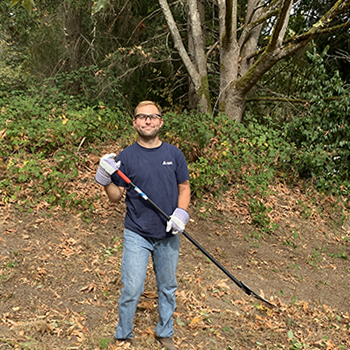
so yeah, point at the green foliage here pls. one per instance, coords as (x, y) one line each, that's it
(259, 214)
(42, 129)
(36, 130)
(245, 157)
(12, 79)
(294, 343)
(84, 87)
(27, 4)
(104, 343)
(42, 147)
(317, 131)
(99, 5)
(320, 133)
(224, 154)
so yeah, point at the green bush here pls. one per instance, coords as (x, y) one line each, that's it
(43, 127)
(41, 132)
(223, 152)
(85, 87)
(35, 129)
(39, 148)
(321, 132)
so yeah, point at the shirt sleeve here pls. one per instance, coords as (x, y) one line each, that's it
(182, 173)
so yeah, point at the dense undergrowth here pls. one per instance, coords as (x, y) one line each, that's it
(48, 135)
(44, 152)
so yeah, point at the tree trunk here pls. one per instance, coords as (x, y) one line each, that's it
(198, 70)
(193, 100)
(242, 62)
(234, 104)
(229, 49)
(72, 29)
(198, 36)
(250, 38)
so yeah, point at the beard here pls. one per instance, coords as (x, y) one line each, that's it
(148, 134)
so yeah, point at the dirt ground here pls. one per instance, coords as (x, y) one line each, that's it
(60, 280)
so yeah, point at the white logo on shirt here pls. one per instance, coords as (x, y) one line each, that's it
(167, 163)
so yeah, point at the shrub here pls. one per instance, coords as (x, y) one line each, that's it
(222, 152)
(39, 148)
(321, 132)
(87, 86)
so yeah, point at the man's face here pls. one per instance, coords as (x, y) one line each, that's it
(147, 128)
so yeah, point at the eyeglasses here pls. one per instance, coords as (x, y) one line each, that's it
(151, 117)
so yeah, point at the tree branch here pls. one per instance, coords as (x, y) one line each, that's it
(281, 25)
(290, 100)
(179, 44)
(138, 25)
(248, 28)
(339, 7)
(198, 41)
(291, 46)
(296, 42)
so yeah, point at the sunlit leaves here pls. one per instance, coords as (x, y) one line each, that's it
(99, 5)
(27, 4)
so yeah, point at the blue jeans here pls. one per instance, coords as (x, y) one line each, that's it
(136, 252)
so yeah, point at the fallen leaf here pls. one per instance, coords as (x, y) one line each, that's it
(150, 295)
(195, 321)
(89, 288)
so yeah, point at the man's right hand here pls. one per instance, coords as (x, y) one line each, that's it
(108, 166)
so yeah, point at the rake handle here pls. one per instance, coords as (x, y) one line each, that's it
(240, 284)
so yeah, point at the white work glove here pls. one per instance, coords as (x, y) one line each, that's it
(177, 221)
(107, 167)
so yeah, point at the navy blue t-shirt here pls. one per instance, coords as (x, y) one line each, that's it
(157, 172)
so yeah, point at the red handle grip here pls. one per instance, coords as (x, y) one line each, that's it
(123, 176)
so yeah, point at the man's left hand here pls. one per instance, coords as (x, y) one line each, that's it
(177, 221)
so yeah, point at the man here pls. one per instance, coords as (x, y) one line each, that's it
(160, 170)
